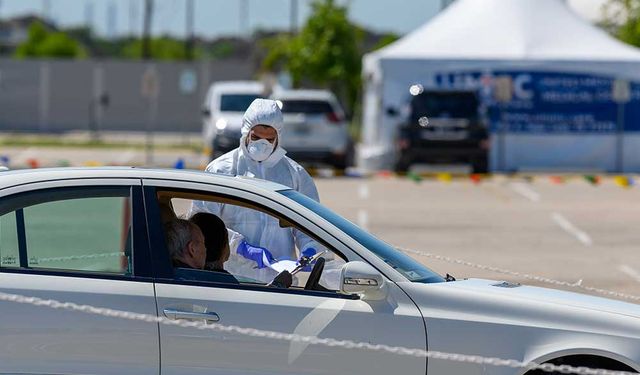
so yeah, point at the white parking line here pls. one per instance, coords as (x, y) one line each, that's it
(363, 219)
(363, 191)
(630, 272)
(571, 229)
(525, 191)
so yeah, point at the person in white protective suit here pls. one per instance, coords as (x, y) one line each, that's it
(255, 235)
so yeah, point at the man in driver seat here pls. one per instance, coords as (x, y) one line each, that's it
(187, 248)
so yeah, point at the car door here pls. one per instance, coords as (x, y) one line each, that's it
(327, 314)
(80, 241)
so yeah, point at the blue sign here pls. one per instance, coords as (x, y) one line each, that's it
(547, 102)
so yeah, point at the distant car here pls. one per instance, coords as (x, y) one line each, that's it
(442, 127)
(222, 112)
(95, 237)
(315, 128)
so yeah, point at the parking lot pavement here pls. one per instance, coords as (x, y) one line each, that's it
(572, 232)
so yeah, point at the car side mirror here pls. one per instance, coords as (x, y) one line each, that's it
(206, 112)
(391, 111)
(360, 278)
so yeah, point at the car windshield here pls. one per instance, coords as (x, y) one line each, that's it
(402, 263)
(441, 104)
(236, 102)
(306, 106)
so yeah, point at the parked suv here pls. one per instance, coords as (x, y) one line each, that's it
(222, 111)
(442, 127)
(315, 129)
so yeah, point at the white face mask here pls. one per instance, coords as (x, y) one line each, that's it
(260, 150)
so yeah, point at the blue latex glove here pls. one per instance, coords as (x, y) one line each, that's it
(258, 254)
(308, 252)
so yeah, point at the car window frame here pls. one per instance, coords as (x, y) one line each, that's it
(45, 193)
(163, 272)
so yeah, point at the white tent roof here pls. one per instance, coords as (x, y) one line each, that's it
(509, 30)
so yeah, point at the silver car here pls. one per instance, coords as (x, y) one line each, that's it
(95, 237)
(315, 128)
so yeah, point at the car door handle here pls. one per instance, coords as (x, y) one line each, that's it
(175, 314)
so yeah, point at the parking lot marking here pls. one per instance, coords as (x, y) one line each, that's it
(630, 272)
(363, 191)
(525, 191)
(571, 229)
(363, 219)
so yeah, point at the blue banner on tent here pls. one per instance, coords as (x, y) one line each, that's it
(548, 102)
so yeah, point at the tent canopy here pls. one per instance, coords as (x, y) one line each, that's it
(518, 37)
(509, 30)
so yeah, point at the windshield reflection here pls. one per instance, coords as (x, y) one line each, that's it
(402, 263)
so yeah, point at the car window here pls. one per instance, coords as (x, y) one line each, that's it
(306, 106)
(88, 234)
(236, 102)
(407, 266)
(454, 105)
(9, 255)
(261, 245)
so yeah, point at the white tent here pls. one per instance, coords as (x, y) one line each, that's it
(522, 38)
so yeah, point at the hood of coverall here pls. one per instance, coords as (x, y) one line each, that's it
(263, 112)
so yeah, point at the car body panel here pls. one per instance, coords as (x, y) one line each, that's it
(41, 340)
(395, 321)
(524, 323)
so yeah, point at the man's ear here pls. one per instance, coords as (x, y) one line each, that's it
(191, 248)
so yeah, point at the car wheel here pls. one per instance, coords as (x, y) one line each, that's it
(403, 164)
(480, 165)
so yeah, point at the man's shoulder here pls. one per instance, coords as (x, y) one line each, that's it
(223, 164)
(294, 164)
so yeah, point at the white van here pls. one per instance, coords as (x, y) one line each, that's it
(223, 108)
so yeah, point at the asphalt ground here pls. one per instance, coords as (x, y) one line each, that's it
(569, 230)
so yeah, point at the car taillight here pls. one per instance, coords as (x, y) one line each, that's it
(333, 117)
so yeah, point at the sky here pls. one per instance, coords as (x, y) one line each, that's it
(215, 18)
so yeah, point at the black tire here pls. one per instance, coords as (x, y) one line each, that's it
(403, 164)
(480, 165)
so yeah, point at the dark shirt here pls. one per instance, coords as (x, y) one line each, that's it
(183, 271)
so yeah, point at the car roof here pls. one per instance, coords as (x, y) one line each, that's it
(237, 87)
(28, 176)
(303, 94)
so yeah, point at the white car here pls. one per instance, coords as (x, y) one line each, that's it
(223, 108)
(95, 237)
(315, 129)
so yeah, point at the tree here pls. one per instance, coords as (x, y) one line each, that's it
(41, 43)
(161, 48)
(325, 52)
(622, 19)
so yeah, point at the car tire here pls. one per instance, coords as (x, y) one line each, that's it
(403, 164)
(480, 165)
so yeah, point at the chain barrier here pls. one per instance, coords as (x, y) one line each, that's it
(526, 276)
(292, 337)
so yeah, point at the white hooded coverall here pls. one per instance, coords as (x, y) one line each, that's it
(252, 226)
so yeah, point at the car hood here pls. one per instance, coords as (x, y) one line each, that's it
(497, 301)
